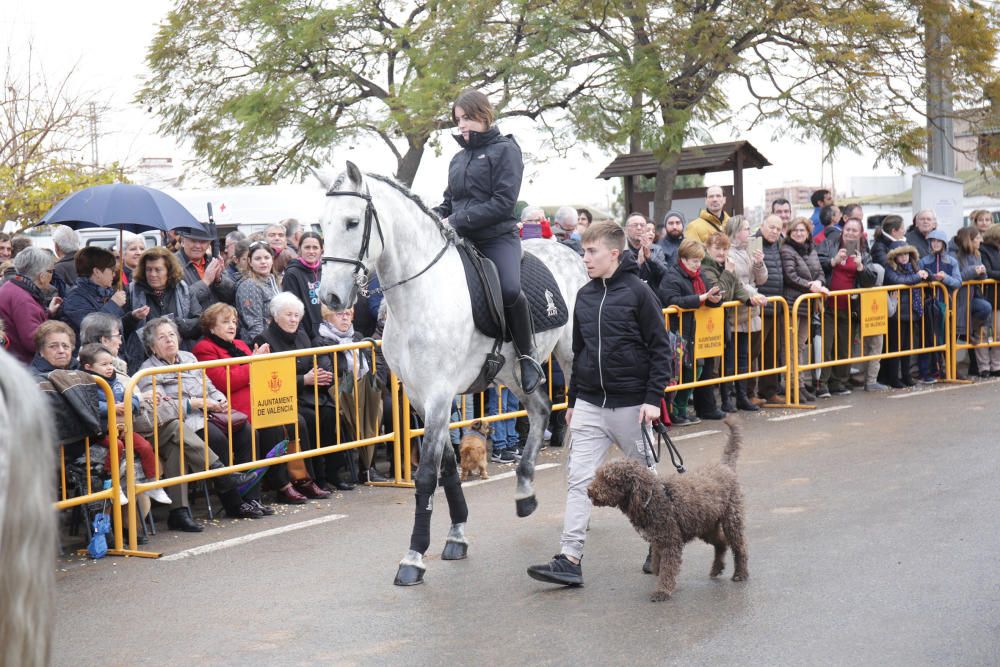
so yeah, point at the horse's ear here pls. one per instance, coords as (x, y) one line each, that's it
(354, 174)
(325, 179)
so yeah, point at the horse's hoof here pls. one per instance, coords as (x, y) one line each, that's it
(525, 506)
(409, 575)
(454, 551)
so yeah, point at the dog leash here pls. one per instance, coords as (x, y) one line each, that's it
(662, 436)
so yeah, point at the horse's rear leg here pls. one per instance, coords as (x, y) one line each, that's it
(411, 567)
(538, 407)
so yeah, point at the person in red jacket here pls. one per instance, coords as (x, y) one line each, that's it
(220, 323)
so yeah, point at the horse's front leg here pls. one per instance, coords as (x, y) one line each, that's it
(411, 567)
(538, 407)
(456, 546)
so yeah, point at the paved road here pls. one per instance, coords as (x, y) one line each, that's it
(873, 538)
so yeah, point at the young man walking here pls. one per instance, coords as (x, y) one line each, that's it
(620, 369)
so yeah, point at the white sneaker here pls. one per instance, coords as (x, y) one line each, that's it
(160, 496)
(122, 496)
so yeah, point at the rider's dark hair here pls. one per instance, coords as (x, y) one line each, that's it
(476, 106)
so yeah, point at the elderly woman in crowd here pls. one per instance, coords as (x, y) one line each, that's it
(132, 248)
(220, 342)
(973, 311)
(803, 275)
(943, 268)
(286, 333)
(255, 291)
(157, 283)
(104, 329)
(27, 300)
(302, 277)
(192, 396)
(338, 329)
(847, 265)
(95, 270)
(683, 286)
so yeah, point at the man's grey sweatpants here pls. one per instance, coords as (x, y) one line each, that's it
(594, 430)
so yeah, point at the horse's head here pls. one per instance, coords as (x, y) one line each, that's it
(352, 237)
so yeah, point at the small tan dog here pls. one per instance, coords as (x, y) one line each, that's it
(472, 449)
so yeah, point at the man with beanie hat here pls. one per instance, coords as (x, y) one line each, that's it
(673, 234)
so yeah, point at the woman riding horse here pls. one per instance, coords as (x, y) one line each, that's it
(484, 180)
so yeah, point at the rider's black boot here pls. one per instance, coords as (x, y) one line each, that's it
(519, 322)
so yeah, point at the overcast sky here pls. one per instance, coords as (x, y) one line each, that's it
(106, 41)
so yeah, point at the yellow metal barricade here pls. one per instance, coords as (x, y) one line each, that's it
(865, 311)
(716, 338)
(158, 400)
(988, 289)
(111, 495)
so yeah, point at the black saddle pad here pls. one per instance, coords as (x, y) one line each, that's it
(548, 308)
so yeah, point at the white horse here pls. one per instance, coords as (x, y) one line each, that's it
(27, 519)
(373, 225)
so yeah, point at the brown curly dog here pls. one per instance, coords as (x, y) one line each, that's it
(705, 503)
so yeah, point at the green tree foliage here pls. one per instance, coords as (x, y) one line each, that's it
(850, 73)
(265, 88)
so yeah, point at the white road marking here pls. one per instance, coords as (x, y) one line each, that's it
(237, 541)
(689, 436)
(925, 392)
(808, 413)
(503, 475)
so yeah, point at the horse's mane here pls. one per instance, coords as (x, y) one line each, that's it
(402, 189)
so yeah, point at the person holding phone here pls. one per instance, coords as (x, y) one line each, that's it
(683, 286)
(847, 265)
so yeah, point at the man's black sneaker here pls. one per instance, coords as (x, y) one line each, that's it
(559, 570)
(503, 456)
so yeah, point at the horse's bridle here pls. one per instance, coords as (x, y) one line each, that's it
(362, 275)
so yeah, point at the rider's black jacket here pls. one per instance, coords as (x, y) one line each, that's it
(621, 354)
(484, 181)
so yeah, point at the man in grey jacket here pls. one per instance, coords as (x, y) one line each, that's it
(205, 277)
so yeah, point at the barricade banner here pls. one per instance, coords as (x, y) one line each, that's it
(709, 330)
(273, 396)
(874, 313)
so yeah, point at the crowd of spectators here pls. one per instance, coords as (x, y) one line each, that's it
(115, 312)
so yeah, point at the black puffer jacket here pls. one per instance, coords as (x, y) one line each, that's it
(775, 285)
(484, 181)
(304, 282)
(621, 355)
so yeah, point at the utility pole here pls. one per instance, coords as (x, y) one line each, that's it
(92, 118)
(940, 108)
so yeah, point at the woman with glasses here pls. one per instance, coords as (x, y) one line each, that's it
(27, 300)
(255, 291)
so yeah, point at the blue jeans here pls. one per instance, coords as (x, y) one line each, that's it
(504, 433)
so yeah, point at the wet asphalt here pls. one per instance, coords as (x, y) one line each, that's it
(873, 536)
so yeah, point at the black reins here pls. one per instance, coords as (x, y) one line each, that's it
(362, 275)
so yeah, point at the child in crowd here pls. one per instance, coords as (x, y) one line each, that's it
(98, 360)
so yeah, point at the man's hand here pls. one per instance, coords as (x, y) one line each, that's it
(55, 305)
(569, 416)
(647, 413)
(119, 298)
(213, 271)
